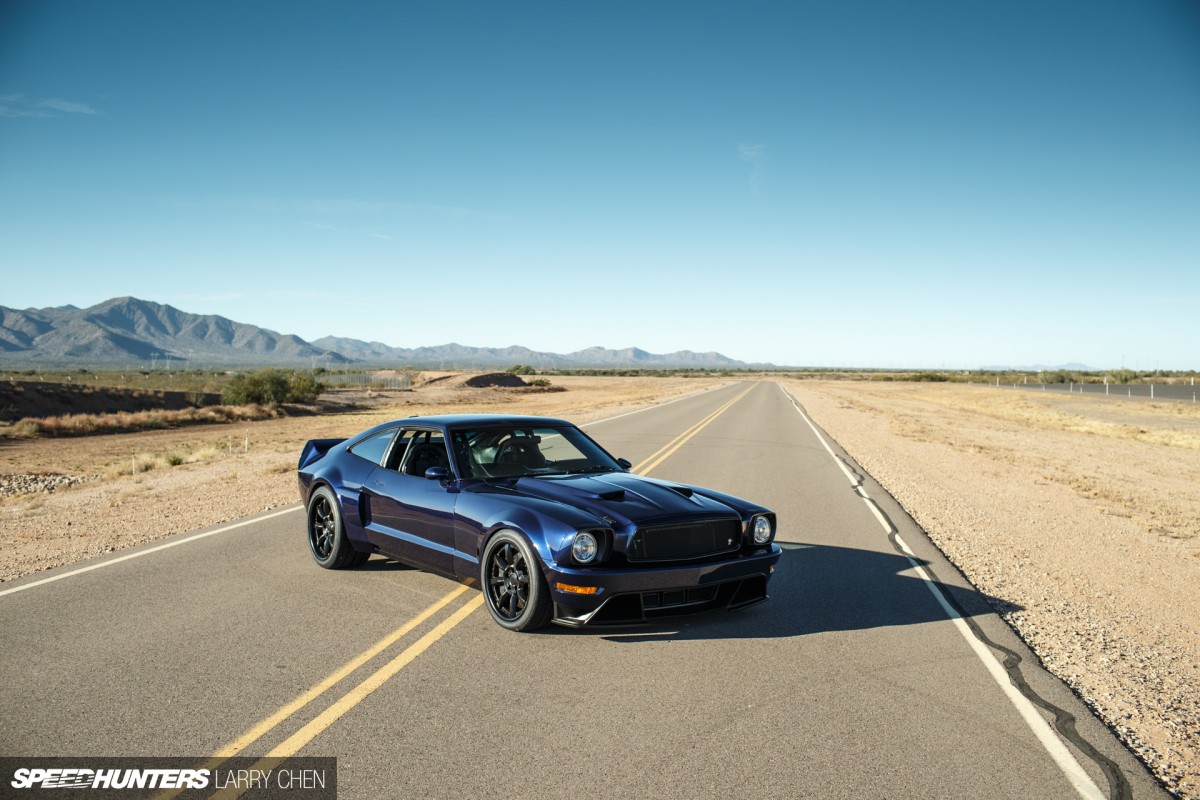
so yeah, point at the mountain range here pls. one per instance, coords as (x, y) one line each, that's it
(126, 330)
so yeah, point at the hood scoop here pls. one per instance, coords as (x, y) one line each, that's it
(683, 490)
(616, 495)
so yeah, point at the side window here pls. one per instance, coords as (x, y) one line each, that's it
(425, 449)
(395, 456)
(374, 447)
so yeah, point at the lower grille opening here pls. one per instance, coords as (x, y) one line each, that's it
(626, 609)
(679, 598)
(750, 591)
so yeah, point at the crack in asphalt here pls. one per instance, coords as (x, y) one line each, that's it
(1063, 721)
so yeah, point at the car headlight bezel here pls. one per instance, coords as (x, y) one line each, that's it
(581, 551)
(761, 529)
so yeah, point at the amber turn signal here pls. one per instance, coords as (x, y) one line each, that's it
(566, 587)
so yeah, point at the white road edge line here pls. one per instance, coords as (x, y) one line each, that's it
(148, 551)
(1058, 751)
(245, 522)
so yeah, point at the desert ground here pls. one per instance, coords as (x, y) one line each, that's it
(1080, 516)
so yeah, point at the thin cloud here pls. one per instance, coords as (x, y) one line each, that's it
(16, 104)
(754, 155)
(66, 106)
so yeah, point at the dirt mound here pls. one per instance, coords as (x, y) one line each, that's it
(504, 380)
(20, 399)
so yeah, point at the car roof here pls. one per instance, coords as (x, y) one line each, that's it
(481, 421)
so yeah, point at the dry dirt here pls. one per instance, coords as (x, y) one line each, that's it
(1083, 513)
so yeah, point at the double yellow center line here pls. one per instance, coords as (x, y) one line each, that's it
(362, 690)
(667, 450)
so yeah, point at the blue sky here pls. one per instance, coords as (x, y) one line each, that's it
(855, 183)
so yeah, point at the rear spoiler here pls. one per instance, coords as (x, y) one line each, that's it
(314, 449)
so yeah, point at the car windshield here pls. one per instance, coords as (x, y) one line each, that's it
(518, 451)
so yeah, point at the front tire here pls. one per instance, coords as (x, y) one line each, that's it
(327, 540)
(514, 590)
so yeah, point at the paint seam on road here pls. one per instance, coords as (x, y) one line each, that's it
(147, 551)
(1024, 705)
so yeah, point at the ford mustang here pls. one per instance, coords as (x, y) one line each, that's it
(538, 515)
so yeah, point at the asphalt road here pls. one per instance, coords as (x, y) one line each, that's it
(852, 681)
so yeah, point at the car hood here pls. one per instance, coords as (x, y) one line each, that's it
(622, 498)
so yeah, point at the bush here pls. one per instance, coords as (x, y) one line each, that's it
(304, 388)
(272, 386)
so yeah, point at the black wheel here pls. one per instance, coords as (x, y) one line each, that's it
(513, 587)
(327, 536)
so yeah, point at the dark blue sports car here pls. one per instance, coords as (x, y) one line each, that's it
(551, 526)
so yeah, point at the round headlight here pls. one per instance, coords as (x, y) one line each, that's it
(761, 530)
(585, 547)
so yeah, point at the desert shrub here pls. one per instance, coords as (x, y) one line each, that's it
(272, 386)
(932, 377)
(539, 382)
(264, 386)
(304, 388)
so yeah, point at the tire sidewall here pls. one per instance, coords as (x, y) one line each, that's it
(340, 531)
(535, 614)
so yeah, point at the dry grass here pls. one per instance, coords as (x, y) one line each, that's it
(1165, 424)
(126, 421)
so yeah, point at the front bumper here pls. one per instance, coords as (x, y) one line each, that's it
(625, 596)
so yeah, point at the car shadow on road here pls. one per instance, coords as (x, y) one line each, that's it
(817, 589)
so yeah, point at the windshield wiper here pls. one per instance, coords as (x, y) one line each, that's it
(592, 468)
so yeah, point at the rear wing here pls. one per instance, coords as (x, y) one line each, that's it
(314, 450)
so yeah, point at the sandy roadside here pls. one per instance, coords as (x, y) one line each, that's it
(1083, 514)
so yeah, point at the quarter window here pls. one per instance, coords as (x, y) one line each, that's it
(374, 447)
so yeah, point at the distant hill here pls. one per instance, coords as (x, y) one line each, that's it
(457, 355)
(127, 330)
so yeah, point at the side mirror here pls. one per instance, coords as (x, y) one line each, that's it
(437, 474)
(625, 463)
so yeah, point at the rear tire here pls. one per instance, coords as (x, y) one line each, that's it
(514, 589)
(327, 540)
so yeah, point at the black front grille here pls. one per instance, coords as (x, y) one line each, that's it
(685, 540)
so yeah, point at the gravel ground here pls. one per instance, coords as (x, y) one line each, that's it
(1093, 536)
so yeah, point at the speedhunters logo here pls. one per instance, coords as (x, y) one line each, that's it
(76, 778)
(184, 778)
